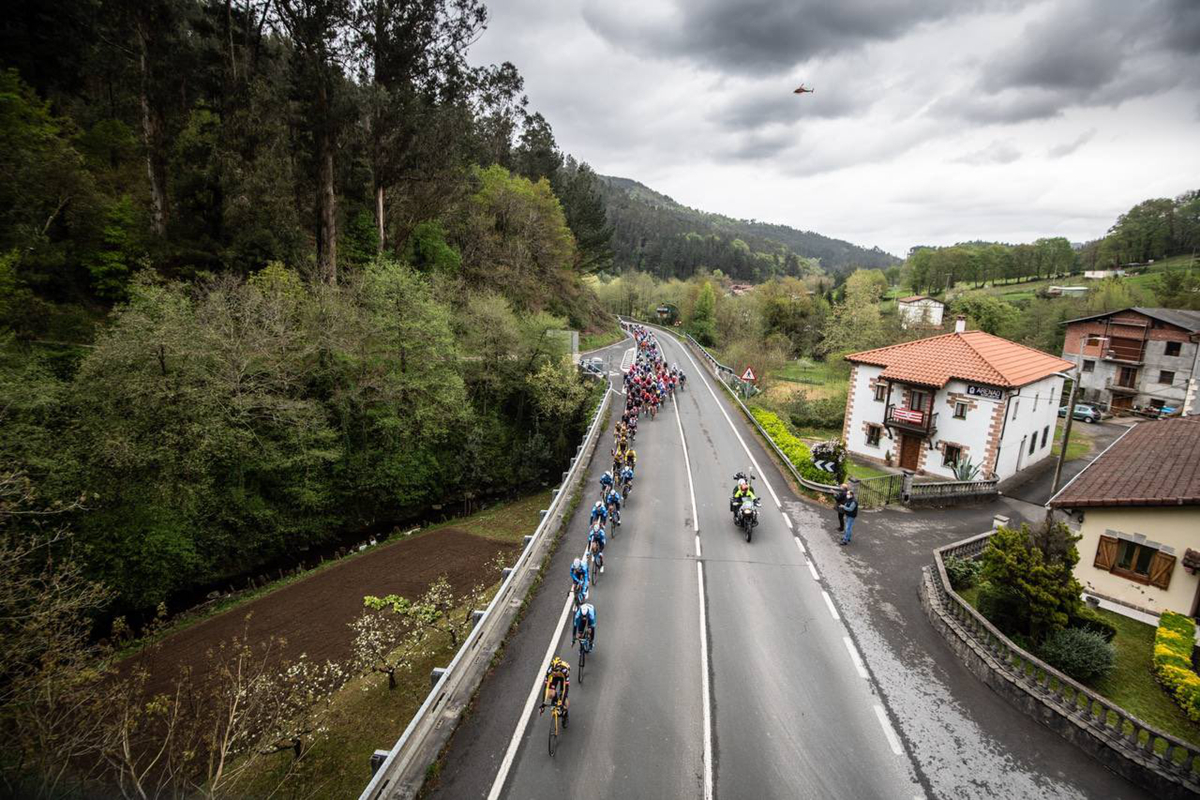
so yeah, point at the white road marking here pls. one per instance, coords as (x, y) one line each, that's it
(698, 553)
(788, 521)
(893, 739)
(627, 360)
(721, 408)
(687, 464)
(799, 545)
(704, 688)
(855, 657)
(813, 570)
(829, 602)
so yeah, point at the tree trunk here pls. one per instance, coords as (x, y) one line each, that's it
(379, 215)
(392, 679)
(156, 163)
(326, 194)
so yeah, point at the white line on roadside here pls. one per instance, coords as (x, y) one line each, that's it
(721, 408)
(511, 753)
(698, 553)
(855, 657)
(829, 602)
(787, 521)
(813, 570)
(687, 465)
(893, 739)
(704, 688)
(799, 545)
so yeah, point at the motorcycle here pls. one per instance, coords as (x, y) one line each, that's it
(746, 517)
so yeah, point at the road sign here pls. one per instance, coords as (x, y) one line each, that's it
(748, 375)
(828, 466)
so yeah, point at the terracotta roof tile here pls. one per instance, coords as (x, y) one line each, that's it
(1154, 464)
(970, 356)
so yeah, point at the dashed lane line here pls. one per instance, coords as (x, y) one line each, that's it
(800, 546)
(855, 657)
(829, 602)
(704, 687)
(893, 739)
(813, 570)
(787, 521)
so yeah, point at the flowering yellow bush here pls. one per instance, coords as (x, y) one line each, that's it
(1173, 661)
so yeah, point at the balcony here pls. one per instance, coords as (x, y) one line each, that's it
(1124, 355)
(910, 420)
(1121, 387)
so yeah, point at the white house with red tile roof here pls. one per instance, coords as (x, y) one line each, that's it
(920, 311)
(925, 405)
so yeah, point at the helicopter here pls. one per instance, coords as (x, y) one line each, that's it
(803, 90)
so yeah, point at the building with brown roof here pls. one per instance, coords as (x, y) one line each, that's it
(1137, 506)
(932, 404)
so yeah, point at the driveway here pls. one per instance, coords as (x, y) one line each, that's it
(1033, 485)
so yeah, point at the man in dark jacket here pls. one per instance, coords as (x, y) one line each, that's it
(850, 510)
(838, 499)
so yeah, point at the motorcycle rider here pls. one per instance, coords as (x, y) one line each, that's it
(743, 492)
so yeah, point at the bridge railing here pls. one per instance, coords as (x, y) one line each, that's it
(724, 373)
(403, 770)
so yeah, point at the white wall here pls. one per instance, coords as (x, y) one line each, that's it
(928, 312)
(1024, 421)
(865, 408)
(971, 432)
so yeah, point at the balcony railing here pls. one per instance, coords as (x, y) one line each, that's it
(910, 419)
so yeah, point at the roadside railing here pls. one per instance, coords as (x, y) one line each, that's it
(401, 773)
(936, 491)
(1146, 755)
(725, 375)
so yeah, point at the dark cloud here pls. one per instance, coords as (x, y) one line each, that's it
(762, 36)
(1065, 149)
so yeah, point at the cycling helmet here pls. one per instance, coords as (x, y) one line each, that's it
(577, 564)
(587, 609)
(598, 505)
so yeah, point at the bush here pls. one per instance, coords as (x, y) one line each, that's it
(1083, 655)
(1088, 620)
(1004, 609)
(963, 572)
(796, 451)
(1172, 661)
(824, 412)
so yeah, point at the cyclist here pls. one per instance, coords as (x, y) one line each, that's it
(598, 535)
(606, 482)
(599, 512)
(579, 578)
(613, 502)
(557, 687)
(618, 455)
(585, 626)
(631, 457)
(627, 476)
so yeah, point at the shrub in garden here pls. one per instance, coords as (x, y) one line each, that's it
(963, 572)
(1083, 655)
(1003, 608)
(1035, 566)
(1172, 661)
(796, 451)
(1088, 620)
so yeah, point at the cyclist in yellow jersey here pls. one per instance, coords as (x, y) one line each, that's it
(557, 687)
(631, 457)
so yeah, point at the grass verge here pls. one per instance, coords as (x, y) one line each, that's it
(594, 340)
(1080, 444)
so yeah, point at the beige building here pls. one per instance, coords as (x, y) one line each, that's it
(1137, 506)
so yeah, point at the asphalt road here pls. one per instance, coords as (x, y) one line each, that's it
(791, 713)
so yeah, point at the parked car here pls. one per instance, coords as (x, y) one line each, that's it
(594, 365)
(1083, 412)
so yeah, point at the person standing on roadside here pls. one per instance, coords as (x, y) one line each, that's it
(838, 500)
(850, 510)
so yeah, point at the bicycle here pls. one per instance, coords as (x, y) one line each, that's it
(579, 595)
(595, 561)
(585, 647)
(556, 713)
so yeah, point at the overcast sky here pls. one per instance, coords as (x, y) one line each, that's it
(933, 121)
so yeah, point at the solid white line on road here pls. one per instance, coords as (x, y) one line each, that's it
(704, 380)
(893, 739)
(799, 545)
(698, 553)
(787, 521)
(855, 657)
(829, 602)
(511, 753)
(704, 688)
(687, 465)
(813, 570)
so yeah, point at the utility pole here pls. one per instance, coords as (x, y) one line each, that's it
(1062, 454)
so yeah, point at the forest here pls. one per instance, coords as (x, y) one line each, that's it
(654, 234)
(273, 273)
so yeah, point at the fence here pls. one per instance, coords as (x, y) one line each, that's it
(949, 491)
(879, 491)
(401, 773)
(1167, 765)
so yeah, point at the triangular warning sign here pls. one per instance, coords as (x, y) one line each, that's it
(748, 375)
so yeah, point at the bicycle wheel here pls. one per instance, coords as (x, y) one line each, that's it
(582, 658)
(553, 731)
(593, 570)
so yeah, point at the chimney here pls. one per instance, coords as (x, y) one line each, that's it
(960, 323)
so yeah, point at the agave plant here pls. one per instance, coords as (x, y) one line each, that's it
(964, 470)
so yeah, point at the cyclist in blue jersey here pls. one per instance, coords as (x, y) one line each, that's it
(606, 482)
(599, 512)
(584, 626)
(579, 577)
(598, 537)
(613, 503)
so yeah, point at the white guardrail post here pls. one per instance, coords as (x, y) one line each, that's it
(402, 772)
(718, 368)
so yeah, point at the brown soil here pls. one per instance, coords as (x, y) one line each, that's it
(313, 614)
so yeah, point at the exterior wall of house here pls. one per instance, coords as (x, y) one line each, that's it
(862, 408)
(1171, 530)
(1032, 412)
(921, 312)
(1095, 385)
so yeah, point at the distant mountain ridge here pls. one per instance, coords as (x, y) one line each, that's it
(654, 233)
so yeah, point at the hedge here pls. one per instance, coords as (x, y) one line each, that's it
(1172, 663)
(796, 451)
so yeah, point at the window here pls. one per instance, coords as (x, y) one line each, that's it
(1035, 399)
(1032, 443)
(1045, 435)
(960, 410)
(1089, 366)
(1016, 404)
(951, 455)
(1172, 349)
(873, 434)
(916, 401)
(880, 391)
(1157, 403)
(1166, 376)
(1135, 561)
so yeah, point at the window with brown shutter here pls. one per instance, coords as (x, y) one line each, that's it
(1106, 553)
(1161, 567)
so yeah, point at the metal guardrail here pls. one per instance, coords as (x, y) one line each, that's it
(720, 369)
(1094, 714)
(403, 771)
